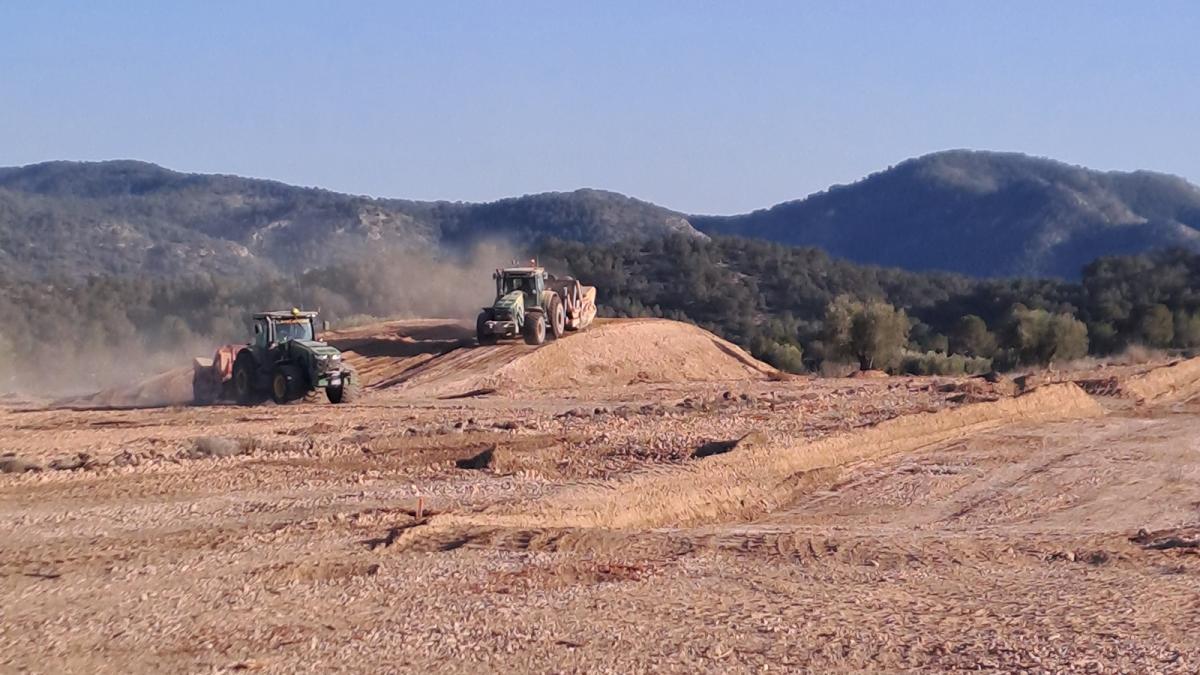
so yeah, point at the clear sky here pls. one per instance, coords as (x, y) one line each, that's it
(717, 107)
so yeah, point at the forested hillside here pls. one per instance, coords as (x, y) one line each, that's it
(798, 308)
(124, 218)
(780, 301)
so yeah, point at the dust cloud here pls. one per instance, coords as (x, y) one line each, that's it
(101, 355)
(453, 285)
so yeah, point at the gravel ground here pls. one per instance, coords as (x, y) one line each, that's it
(226, 538)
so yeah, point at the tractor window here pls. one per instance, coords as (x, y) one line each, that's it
(300, 329)
(523, 284)
(260, 333)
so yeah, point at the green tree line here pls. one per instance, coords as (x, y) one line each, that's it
(797, 307)
(794, 307)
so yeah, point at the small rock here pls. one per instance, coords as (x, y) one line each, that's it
(482, 460)
(14, 464)
(722, 447)
(215, 446)
(81, 460)
(125, 458)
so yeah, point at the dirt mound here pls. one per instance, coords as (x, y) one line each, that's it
(173, 387)
(611, 353)
(1178, 381)
(646, 350)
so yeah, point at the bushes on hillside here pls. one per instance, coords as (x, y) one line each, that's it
(938, 363)
(1038, 337)
(872, 333)
(972, 337)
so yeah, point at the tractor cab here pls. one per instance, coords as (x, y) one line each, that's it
(530, 281)
(276, 328)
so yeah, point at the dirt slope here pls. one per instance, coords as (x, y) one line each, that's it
(611, 353)
(383, 352)
(1178, 381)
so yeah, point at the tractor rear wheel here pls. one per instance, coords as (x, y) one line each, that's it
(558, 318)
(243, 380)
(482, 335)
(534, 328)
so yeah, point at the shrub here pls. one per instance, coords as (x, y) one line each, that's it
(783, 355)
(878, 335)
(1157, 327)
(972, 337)
(1187, 330)
(1039, 337)
(938, 363)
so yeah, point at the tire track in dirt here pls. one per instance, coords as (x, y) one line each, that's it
(747, 483)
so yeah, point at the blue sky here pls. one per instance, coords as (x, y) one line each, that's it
(705, 107)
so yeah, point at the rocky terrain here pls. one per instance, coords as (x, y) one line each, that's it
(641, 496)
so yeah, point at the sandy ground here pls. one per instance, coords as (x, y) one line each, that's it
(315, 537)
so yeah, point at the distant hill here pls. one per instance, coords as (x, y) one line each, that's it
(983, 214)
(126, 217)
(977, 213)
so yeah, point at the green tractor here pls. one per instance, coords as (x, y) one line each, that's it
(284, 361)
(533, 304)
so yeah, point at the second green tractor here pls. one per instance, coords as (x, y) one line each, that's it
(535, 305)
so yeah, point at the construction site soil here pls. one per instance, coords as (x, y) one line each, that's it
(638, 496)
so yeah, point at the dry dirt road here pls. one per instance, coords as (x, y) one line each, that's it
(1066, 546)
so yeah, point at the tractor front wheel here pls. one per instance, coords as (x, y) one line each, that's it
(482, 335)
(346, 392)
(534, 328)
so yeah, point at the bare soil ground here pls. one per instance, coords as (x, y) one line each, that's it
(550, 526)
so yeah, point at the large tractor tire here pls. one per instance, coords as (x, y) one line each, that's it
(481, 332)
(534, 328)
(287, 384)
(558, 317)
(348, 391)
(243, 380)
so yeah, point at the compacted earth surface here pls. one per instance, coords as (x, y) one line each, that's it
(638, 496)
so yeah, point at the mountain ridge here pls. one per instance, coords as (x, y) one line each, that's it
(126, 216)
(983, 213)
(980, 213)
